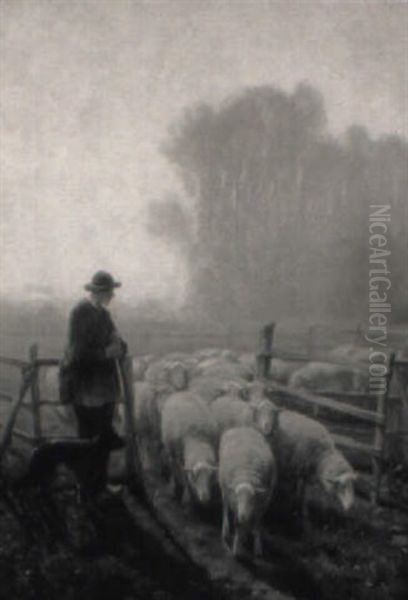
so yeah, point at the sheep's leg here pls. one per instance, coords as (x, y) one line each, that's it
(237, 545)
(300, 491)
(154, 456)
(306, 526)
(240, 534)
(301, 502)
(165, 464)
(258, 549)
(150, 449)
(178, 482)
(186, 494)
(144, 452)
(226, 524)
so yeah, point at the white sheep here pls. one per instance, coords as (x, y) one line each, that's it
(320, 376)
(139, 367)
(189, 434)
(204, 353)
(264, 411)
(187, 360)
(281, 370)
(177, 356)
(209, 388)
(229, 411)
(147, 422)
(221, 367)
(306, 455)
(248, 359)
(229, 355)
(167, 375)
(349, 353)
(247, 477)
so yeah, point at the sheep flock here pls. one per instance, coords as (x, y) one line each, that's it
(206, 422)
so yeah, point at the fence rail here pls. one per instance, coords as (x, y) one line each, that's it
(13, 362)
(319, 400)
(349, 443)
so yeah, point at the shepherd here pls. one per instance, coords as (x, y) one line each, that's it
(89, 378)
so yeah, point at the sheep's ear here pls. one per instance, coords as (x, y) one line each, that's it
(345, 477)
(262, 490)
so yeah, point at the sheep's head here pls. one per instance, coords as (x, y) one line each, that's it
(337, 478)
(201, 480)
(178, 376)
(245, 500)
(265, 415)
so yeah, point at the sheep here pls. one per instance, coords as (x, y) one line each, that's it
(220, 367)
(306, 454)
(247, 478)
(167, 375)
(207, 353)
(264, 411)
(357, 358)
(281, 370)
(229, 355)
(248, 359)
(209, 388)
(325, 377)
(147, 421)
(229, 412)
(139, 367)
(188, 434)
(188, 361)
(177, 356)
(349, 353)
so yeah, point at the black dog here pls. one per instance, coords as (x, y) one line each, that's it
(71, 452)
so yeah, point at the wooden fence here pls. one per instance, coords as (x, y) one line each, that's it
(30, 385)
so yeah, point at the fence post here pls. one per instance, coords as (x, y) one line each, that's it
(402, 381)
(35, 395)
(264, 358)
(379, 439)
(15, 407)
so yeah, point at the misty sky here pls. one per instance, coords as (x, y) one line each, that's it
(89, 88)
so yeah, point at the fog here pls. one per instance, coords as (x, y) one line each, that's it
(108, 109)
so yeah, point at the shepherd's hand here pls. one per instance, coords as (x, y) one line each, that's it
(114, 350)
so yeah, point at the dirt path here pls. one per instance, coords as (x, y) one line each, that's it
(362, 556)
(61, 552)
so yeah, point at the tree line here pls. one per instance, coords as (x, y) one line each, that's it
(277, 213)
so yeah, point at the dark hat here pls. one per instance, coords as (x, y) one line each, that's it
(102, 282)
